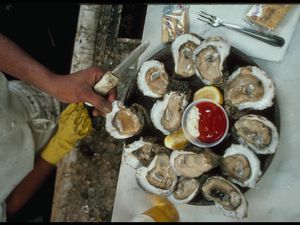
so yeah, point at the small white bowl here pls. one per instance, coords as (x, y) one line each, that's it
(195, 140)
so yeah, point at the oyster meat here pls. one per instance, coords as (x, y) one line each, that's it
(152, 79)
(159, 177)
(191, 164)
(185, 190)
(241, 166)
(182, 50)
(166, 114)
(141, 152)
(249, 88)
(226, 196)
(122, 122)
(258, 133)
(209, 58)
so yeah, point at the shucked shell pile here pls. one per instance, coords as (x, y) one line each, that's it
(191, 172)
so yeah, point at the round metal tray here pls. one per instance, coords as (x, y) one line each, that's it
(235, 59)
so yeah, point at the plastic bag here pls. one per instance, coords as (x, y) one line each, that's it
(267, 16)
(174, 22)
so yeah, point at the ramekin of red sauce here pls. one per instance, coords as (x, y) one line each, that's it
(205, 123)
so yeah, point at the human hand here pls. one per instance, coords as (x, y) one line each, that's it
(74, 124)
(78, 87)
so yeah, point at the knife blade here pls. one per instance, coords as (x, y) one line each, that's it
(111, 78)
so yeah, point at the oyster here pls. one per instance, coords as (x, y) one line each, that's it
(182, 51)
(257, 132)
(152, 79)
(122, 122)
(166, 114)
(191, 164)
(159, 177)
(185, 190)
(141, 152)
(248, 88)
(226, 196)
(209, 58)
(241, 166)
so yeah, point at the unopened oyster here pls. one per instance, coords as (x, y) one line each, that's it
(166, 114)
(248, 88)
(159, 177)
(141, 152)
(209, 58)
(122, 122)
(152, 79)
(185, 190)
(191, 164)
(258, 133)
(226, 196)
(182, 51)
(241, 166)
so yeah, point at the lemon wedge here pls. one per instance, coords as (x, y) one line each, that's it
(176, 140)
(209, 92)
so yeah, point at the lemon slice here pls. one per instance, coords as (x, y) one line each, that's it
(176, 140)
(209, 92)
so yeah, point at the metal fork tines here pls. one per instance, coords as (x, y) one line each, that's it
(215, 21)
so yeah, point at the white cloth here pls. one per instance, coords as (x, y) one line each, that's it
(28, 118)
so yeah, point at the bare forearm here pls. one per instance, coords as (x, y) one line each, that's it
(28, 186)
(16, 62)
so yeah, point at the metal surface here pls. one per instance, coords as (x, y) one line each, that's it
(259, 35)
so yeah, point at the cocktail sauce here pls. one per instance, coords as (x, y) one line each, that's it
(212, 122)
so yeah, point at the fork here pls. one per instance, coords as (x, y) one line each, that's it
(215, 21)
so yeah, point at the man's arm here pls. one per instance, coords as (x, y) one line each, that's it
(72, 88)
(28, 186)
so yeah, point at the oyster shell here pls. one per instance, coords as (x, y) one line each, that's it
(185, 190)
(248, 88)
(191, 164)
(209, 58)
(141, 152)
(241, 166)
(182, 51)
(258, 133)
(122, 122)
(226, 196)
(166, 114)
(159, 177)
(152, 79)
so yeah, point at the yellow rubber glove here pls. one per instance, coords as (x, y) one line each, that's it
(73, 125)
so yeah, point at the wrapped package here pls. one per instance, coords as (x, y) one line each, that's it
(174, 22)
(267, 16)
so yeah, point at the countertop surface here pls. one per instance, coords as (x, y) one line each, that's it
(276, 196)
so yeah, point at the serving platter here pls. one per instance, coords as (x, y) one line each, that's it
(235, 59)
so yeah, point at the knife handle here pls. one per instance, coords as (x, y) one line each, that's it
(107, 82)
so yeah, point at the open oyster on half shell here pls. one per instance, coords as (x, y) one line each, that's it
(248, 88)
(159, 177)
(152, 79)
(182, 50)
(241, 166)
(209, 58)
(166, 113)
(191, 164)
(141, 152)
(185, 190)
(257, 132)
(122, 122)
(226, 196)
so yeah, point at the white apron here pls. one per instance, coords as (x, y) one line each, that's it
(28, 119)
